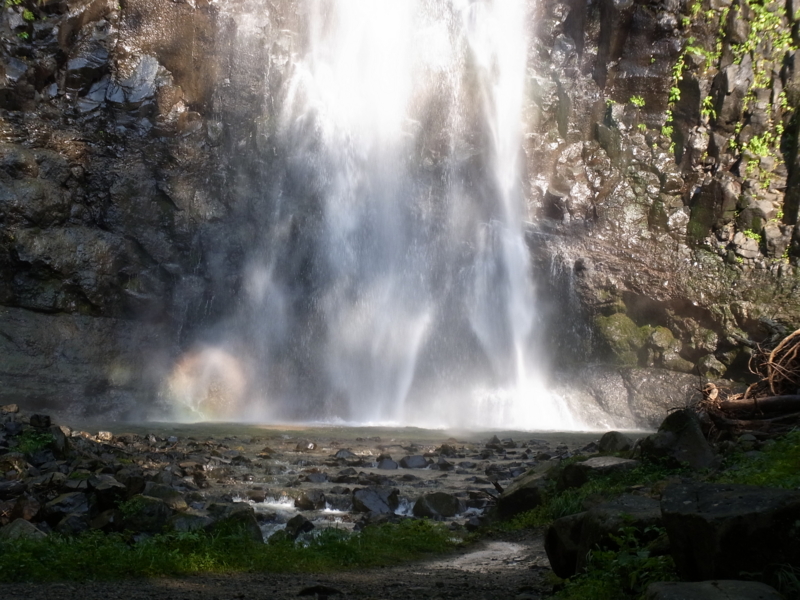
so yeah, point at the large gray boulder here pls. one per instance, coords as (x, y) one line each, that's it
(614, 441)
(234, 517)
(711, 590)
(569, 539)
(20, 529)
(719, 531)
(438, 504)
(378, 500)
(526, 492)
(146, 514)
(680, 440)
(577, 474)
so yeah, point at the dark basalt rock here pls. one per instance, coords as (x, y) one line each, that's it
(711, 590)
(414, 462)
(569, 539)
(379, 500)
(438, 504)
(718, 531)
(680, 440)
(524, 493)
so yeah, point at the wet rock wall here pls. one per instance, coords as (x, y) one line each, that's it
(662, 161)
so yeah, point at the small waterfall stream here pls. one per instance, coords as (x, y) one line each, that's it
(392, 281)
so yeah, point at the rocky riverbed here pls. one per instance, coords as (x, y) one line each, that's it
(72, 480)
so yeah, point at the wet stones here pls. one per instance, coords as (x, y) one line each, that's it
(310, 500)
(438, 504)
(379, 500)
(414, 462)
(385, 462)
(296, 526)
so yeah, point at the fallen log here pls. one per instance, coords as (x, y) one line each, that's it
(769, 404)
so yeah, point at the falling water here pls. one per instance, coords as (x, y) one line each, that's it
(392, 281)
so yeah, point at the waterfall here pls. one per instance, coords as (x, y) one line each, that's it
(391, 282)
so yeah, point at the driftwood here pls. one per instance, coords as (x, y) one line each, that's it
(764, 405)
(771, 405)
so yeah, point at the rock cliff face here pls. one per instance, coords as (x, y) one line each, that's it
(661, 162)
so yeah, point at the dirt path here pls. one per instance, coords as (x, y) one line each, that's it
(514, 566)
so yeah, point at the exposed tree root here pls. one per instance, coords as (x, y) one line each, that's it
(770, 406)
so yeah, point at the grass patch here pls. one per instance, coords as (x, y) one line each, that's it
(606, 487)
(32, 441)
(99, 556)
(622, 573)
(778, 465)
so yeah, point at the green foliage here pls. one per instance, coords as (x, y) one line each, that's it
(623, 571)
(97, 556)
(637, 101)
(31, 441)
(787, 581)
(24, 35)
(28, 15)
(775, 466)
(130, 507)
(707, 109)
(752, 235)
(642, 127)
(769, 23)
(571, 501)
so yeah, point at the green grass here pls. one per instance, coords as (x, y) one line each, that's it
(571, 501)
(624, 572)
(778, 465)
(99, 556)
(31, 441)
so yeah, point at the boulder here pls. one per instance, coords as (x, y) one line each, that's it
(413, 462)
(526, 492)
(569, 539)
(171, 497)
(614, 441)
(108, 491)
(562, 543)
(40, 421)
(146, 514)
(108, 520)
(438, 504)
(576, 474)
(387, 464)
(132, 478)
(721, 530)
(12, 489)
(65, 504)
(296, 525)
(20, 529)
(190, 520)
(73, 524)
(376, 499)
(680, 440)
(310, 500)
(711, 590)
(234, 517)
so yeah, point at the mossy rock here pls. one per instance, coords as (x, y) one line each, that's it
(624, 338)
